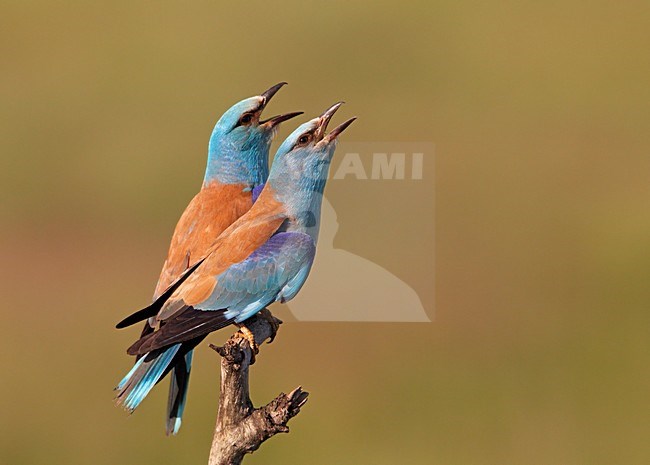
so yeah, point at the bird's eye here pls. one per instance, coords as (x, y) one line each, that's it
(304, 139)
(246, 118)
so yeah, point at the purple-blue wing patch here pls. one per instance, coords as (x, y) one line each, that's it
(257, 190)
(271, 272)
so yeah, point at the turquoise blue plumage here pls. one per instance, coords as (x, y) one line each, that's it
(237, 162)
(263, 257)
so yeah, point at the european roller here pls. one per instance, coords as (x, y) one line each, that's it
(238, 153)
(263, 257)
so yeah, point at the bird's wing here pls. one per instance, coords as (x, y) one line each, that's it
(153, 309)
(275, 271)
(209, 213)
(262, 276)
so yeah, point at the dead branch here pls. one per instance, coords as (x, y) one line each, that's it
(242, 428)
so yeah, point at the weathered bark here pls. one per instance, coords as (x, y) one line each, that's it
(242, 428)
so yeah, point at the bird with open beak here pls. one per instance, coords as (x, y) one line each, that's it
(238, 153)
(263, 257)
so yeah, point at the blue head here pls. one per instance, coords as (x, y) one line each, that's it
(300, 169)
(238, 150)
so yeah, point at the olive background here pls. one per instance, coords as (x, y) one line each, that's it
(536, 204)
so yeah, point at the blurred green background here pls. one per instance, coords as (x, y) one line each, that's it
(540, 114)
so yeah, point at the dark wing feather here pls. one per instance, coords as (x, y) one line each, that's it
(187, 325)
(275, 270)
(154, 308)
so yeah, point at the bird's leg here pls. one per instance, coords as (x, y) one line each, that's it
(266, 315)
(248, 335)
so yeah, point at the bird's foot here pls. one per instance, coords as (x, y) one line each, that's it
(274, 322)
(250, 337)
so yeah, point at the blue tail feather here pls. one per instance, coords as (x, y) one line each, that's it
(136, 365)
(143, 377)
(179, 383)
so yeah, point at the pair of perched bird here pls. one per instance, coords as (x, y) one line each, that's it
(247, 239)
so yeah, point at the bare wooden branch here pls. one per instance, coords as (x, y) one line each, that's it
(241, 428)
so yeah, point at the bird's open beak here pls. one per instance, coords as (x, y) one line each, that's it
(268, 94)
(266, 97)
(274, 121)
(325, 119)
(338, 130)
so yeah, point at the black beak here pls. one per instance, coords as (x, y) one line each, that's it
(325, 119)
(268, 94)
(339, 129)
(272, 122)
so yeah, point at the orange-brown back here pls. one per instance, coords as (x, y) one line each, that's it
(236, 243)
(209, 213)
